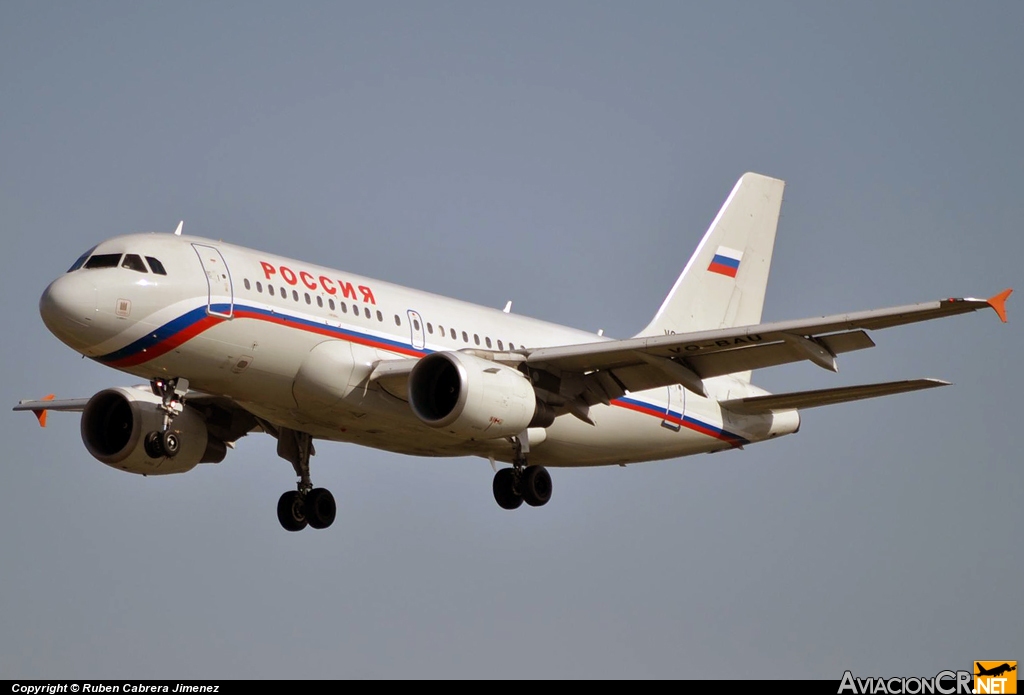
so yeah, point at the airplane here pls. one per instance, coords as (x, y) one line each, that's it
(234, 341)
(995, 671)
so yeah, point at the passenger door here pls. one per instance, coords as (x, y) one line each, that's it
(220, 298)
(418, 336)
(674, 408)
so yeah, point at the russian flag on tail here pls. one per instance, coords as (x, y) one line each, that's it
(726, 261)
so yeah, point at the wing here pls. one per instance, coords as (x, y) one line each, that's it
(225, 419)
(599, 372)
(41, 406)
(571, 378)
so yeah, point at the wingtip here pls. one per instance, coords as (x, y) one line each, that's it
(998, 302)
(41, 414)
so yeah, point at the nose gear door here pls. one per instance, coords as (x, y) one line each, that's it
(220, 291)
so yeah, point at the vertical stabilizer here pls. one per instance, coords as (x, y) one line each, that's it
(724, 282)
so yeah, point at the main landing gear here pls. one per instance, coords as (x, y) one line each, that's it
(166, 442)
(522, 483)
(307, 505)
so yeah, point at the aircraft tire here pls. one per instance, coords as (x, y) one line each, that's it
(290, 512)
(320, 508)
(504, 489)
(154, 445)
(536, 486)
(171, 443)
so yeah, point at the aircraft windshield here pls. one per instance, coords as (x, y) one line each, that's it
(134, 262)
(103, 260)
(156, 265)
(81, 260)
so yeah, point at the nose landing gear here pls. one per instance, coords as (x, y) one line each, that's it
(167, 442)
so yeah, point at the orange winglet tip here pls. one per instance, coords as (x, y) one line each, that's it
(41, 414)
(998, 303)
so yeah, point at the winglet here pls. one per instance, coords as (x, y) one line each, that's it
(998, 303)
(41, 414)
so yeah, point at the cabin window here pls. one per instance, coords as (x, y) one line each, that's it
(367, 312)
(344, 307)
(259, 287)
(416, 324)
(500, 347)
(156, 266)
(103, 260)
(81, 260)
(295, 295)
(246, 283)
(476, 338)
(284, 293)
(320, 301)
(380, 316)
(330, 303)
(453, 333)
(308, 300)
(270, 289)
(488, 341)
(398, 321)
(511, 346)
(465, 338)
(134, 262)
(430, 328)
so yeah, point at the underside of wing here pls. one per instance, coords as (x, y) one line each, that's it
(225, 419)
(607, 370)
(42, 405)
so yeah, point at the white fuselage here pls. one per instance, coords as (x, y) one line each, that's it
(243, 324)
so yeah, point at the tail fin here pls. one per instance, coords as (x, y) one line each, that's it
(723, 283)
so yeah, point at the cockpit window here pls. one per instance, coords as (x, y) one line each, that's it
(103, 260)
(134, 262)
(156, 265)
(81, 260)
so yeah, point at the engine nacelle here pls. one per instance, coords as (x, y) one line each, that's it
(471, 396)
(115, 423)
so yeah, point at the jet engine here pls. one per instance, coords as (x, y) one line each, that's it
(115, 423)
(473, 397)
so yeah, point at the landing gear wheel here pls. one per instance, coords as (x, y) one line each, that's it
(320, 508)
(290, 511)
(535, 486)
(505, 489)
(154, 445)
(171, 443)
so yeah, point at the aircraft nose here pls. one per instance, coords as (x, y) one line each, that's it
(67, 308)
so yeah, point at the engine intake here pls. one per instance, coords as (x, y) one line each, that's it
(473, 397)
(115, 423)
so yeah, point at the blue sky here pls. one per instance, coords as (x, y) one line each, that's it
(567, 156)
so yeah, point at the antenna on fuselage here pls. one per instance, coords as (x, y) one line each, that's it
(508, 306)
(177, 232)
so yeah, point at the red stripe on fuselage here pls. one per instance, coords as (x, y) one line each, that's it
(339, 333)
(689, 424)
(207, 322)
(165, 346)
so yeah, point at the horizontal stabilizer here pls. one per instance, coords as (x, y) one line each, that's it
(812, 399)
